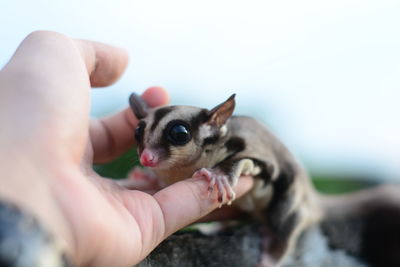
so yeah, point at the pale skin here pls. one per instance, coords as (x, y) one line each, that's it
(48, 145)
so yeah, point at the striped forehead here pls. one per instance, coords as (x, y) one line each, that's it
(162, 116)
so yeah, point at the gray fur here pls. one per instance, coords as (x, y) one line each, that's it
(282, 197)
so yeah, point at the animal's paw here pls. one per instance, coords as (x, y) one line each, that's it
(140, 179)
(220, 181)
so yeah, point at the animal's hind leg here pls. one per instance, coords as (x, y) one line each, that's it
(292, 208)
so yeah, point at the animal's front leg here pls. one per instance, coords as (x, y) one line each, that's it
(219, 180)
(224, 177)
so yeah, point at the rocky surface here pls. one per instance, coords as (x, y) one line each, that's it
(241, 246)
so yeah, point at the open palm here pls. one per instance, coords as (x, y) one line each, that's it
(47, 133)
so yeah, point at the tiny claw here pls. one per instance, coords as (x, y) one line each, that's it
(217, 182)
(221, 191)
(211, 186)
(231, 195)
(210, 191)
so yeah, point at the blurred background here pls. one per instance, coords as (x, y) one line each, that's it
(323, 75)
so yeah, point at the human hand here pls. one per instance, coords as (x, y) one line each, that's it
(47, 151)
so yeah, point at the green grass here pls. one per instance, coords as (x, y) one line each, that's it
(331, 184)
(119, 167)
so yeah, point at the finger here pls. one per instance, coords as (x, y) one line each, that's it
(56, 53)
(183, 203)
(224, 213)
(105, 63)
(111, 136)
(57, 74)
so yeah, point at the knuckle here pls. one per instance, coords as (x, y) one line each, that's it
(45, 35)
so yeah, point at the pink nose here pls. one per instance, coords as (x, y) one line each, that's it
(148, 158)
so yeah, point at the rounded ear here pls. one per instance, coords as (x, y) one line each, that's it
(138, 106)
(221, 113)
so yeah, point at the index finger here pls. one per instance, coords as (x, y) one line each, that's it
(186, 202)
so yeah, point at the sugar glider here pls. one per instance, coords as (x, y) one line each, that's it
(178, 142)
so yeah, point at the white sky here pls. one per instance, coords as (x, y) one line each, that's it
(325, 75)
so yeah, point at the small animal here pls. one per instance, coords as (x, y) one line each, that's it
(178, 142)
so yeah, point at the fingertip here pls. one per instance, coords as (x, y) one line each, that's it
(110, 64)
(156, 96)
(245, 183)
(105, 63)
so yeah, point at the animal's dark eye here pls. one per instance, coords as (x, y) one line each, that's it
(178, 134)
(139, 131)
